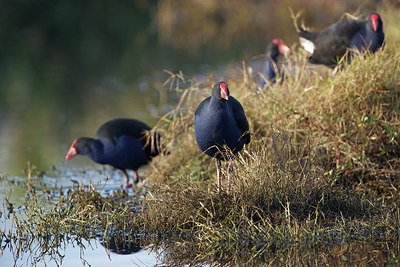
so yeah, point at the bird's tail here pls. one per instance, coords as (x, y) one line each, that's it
(306, 40)
(304, 33)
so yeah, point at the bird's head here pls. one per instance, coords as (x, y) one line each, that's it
(79, 146)
(376, 22)
(221, 91)
(281, 47)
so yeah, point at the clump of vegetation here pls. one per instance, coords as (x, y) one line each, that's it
(306, 177)
(323, 164)
(46, 224)
(352, 119)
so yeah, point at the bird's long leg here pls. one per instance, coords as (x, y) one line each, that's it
(126, 178)
(228, 190)
(137, 178)
(218, 175)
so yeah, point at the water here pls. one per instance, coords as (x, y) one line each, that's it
(70, 253)
(94, 254)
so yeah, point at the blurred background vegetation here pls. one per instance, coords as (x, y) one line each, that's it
(68, 66)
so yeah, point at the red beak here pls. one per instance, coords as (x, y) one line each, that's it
(282, 47)
(374, 21)
(71, 152)
(224, 90)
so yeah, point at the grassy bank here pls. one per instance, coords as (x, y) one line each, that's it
(323, 167)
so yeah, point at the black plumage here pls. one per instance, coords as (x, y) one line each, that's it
(328, 46)
(122, 143)
(221, 124)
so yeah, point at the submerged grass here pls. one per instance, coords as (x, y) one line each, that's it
(322, 168)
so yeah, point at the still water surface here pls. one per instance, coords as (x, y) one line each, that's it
(95, 255)
(72, 254)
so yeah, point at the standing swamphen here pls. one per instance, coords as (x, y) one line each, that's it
(271, 66)
(330, 45)
(219, 123)
(121, 143)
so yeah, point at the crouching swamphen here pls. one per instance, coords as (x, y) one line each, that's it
(330, 45)
(220, 123)
(271, 66)
(122, 143)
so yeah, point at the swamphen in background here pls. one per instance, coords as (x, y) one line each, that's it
(271, 66)
(220, 123)
(122, 143)
(330, 45)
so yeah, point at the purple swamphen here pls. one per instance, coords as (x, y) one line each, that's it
(122, 143)
(220, 124)
(271, 65)
(328, 46)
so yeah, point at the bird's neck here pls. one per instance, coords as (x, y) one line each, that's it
(217, 103)
(97, 151)
(269, 68)
(273, 58)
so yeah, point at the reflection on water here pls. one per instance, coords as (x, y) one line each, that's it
(350, 253)
(69, 250)
(72, 254)
(122, 246)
